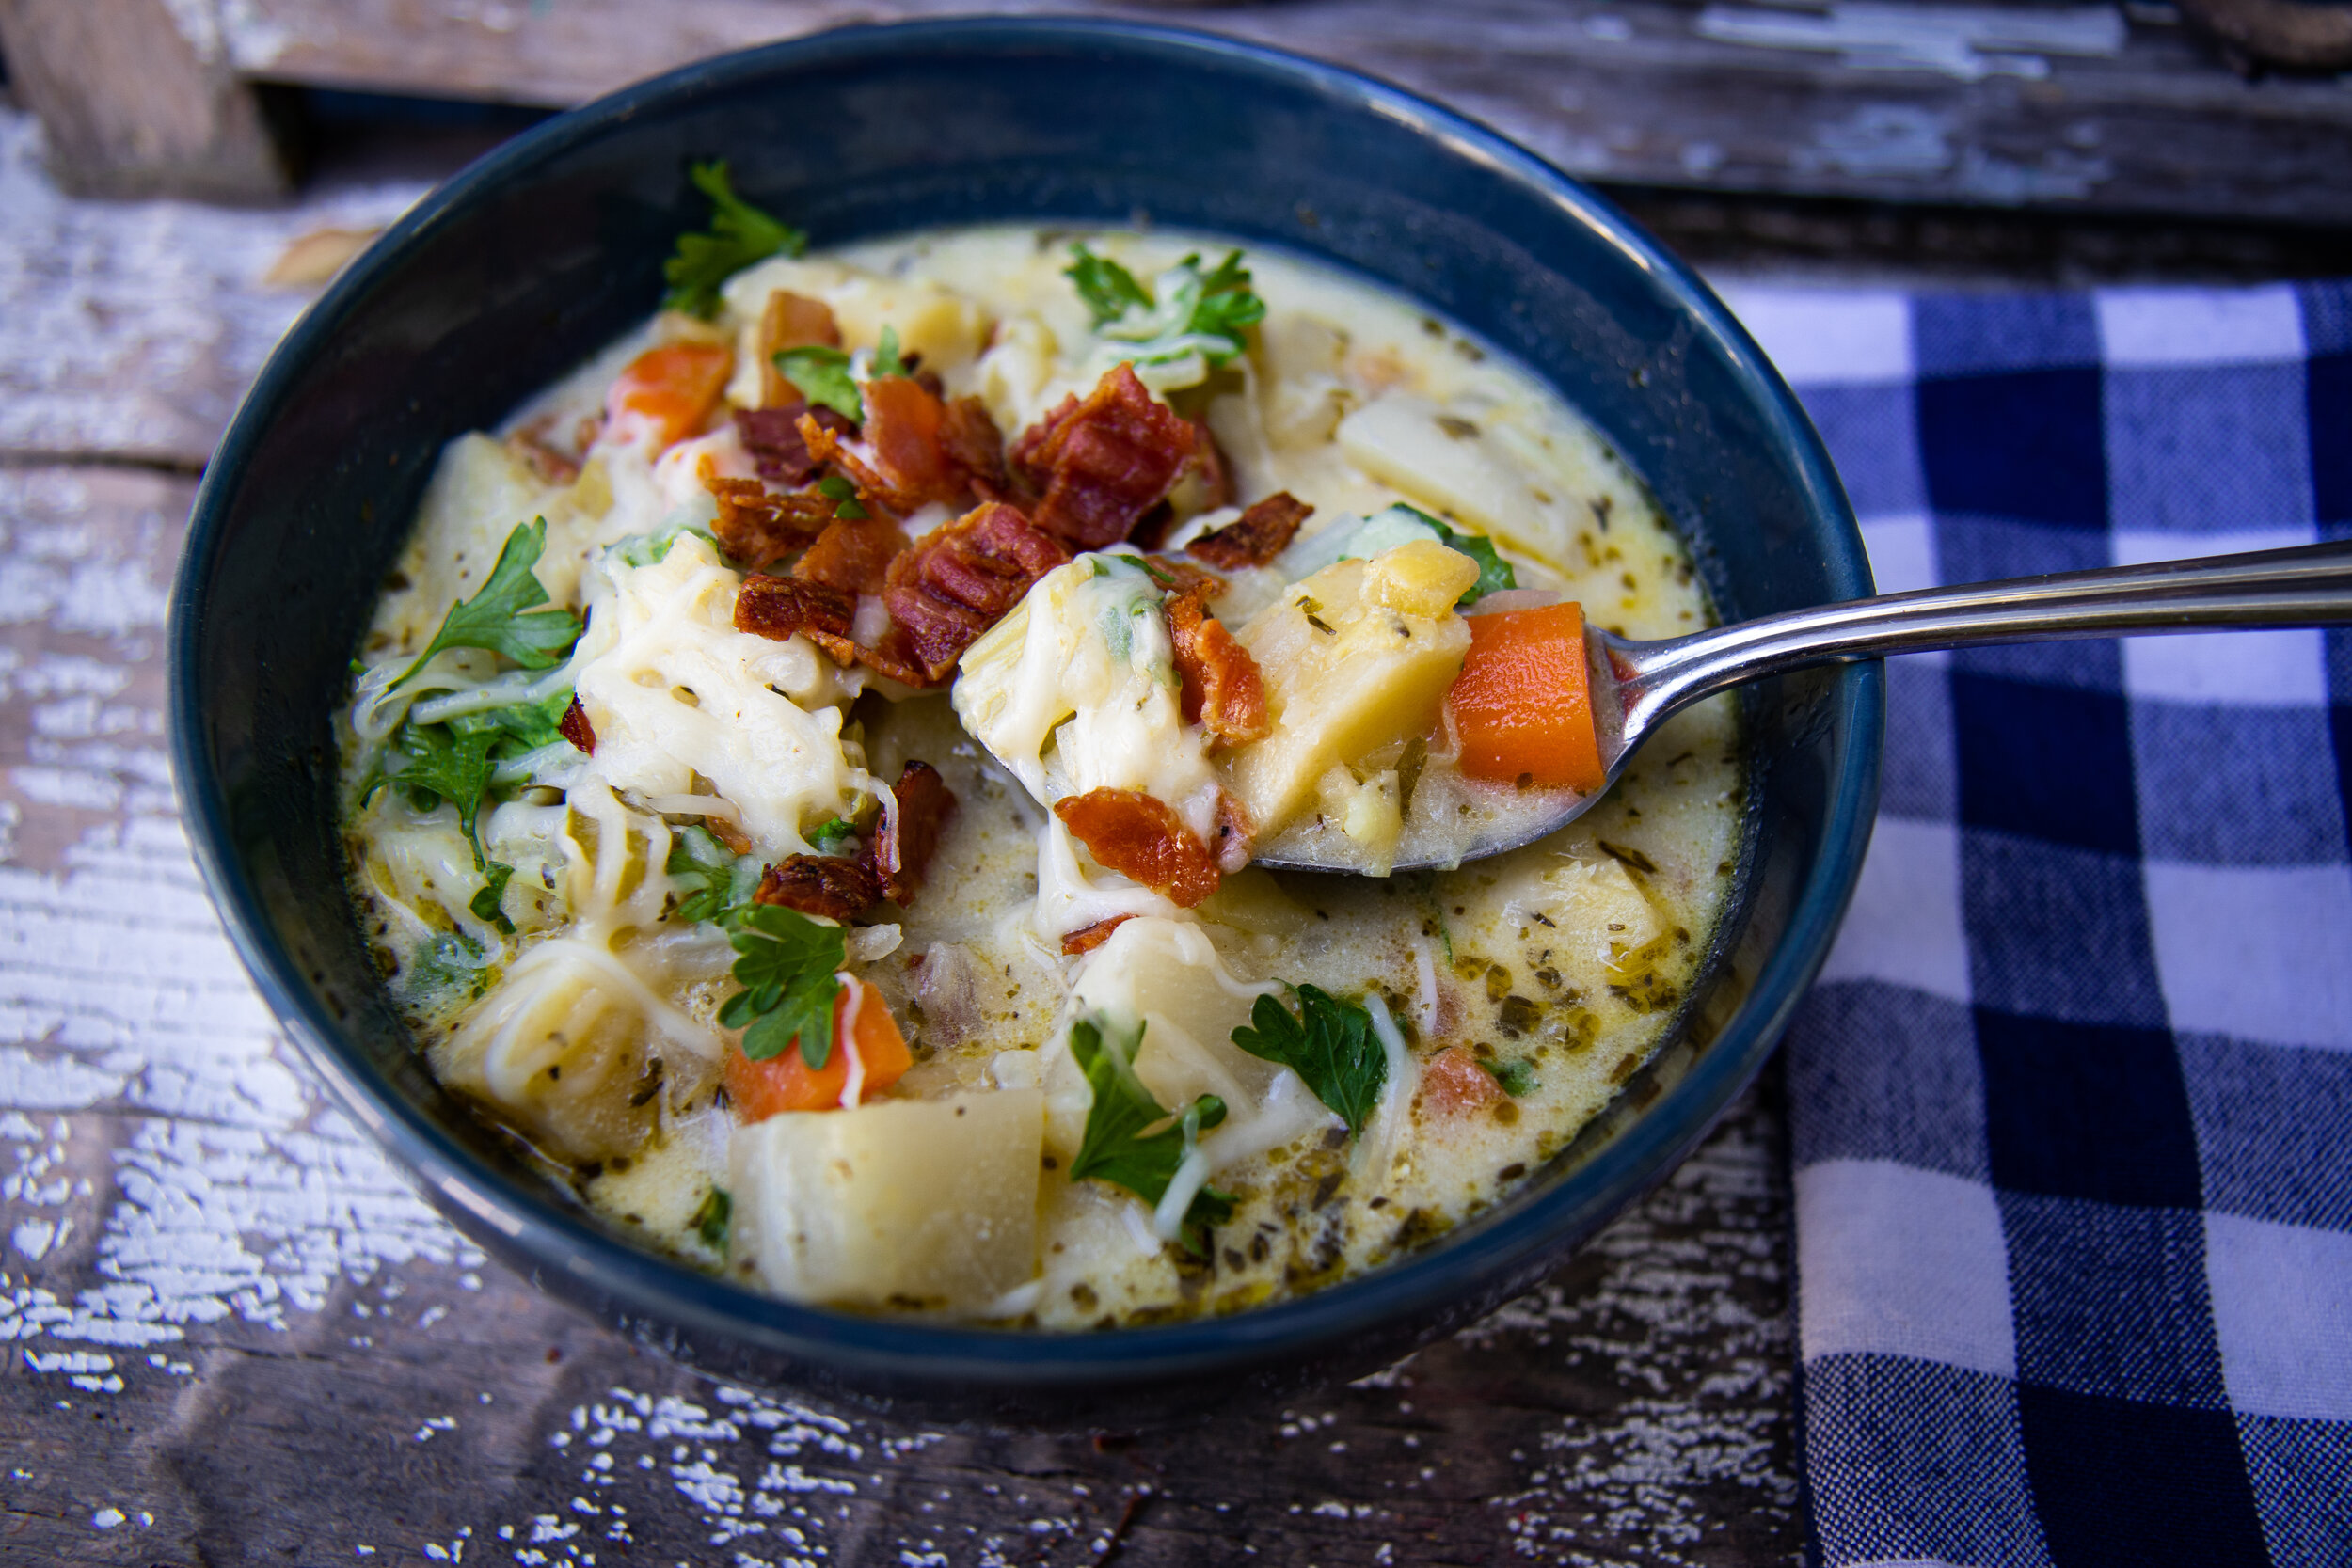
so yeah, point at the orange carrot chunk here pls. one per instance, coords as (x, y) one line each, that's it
(670, 389)
(785, 1083)
(1523, 705)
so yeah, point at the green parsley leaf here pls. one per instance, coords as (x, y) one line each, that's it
(451, 762)
(528, 726)
(1116, 1148)
(1185, 324)
(828, 836)
(1517, 1076)
(787, 974)
(451, 962)
(844, 495)
(1109, 290)
(722, 881)
(822, 374)
(495, 618)
(887, 360)
(1494, 573)
(1330, 1044)
(740, 234)
(711, 1219)
(1228, 303)
(488, 902)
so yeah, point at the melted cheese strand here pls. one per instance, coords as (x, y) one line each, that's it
(1376, 1153)
(844, 1038)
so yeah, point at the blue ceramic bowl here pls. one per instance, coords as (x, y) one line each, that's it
(516, 269)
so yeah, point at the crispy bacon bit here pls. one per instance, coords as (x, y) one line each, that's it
(1142, 837)
(758, 527)
(1103, 463)
(916, 450)
(853, 554)
(1255, 537)
(548, 462)
(1236, 834)
(831, 886)
(773, 438)
(790, 320)
(1453, 1083)
(726, 831)
(902, 850)
(1086, 939)
(975, 449)
(1209, 470)
(905, 430)
(959, 581)
(1178, 575)
(894, 656)
(577, 729)
(779, 606)
(1222, 688)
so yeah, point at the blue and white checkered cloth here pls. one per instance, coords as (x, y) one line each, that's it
(2072, 1106)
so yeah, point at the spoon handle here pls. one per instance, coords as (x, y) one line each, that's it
(2308, 585)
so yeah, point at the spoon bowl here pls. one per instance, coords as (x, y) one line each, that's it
(1636, 685)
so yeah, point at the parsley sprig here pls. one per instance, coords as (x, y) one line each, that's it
(740, 234)
(1185, 324)
(1329, 1043)
(828, 376)
(1131, 1140)
(788, 971)
(722, 882)
(450, 762)
(457, 760)
(504, 617)
(822, 374)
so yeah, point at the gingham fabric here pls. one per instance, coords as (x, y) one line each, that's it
(2072, 1105)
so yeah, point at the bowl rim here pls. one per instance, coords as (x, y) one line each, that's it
(1509, 1240)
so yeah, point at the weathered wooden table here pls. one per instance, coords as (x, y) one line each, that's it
(235, 1335)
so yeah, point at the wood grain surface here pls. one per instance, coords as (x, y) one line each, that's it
(234, 1333)
(2006, 104)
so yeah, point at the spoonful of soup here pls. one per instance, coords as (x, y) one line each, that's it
(1547, 708)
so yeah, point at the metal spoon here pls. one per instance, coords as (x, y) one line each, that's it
(1635, 686)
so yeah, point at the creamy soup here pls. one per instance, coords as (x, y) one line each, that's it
(803, 772)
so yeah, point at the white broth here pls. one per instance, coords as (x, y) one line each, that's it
(591, 979)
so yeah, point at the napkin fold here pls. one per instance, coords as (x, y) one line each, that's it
(2072, 1105)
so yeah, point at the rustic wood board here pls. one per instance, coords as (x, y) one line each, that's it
(129, 331)
(233, 1332)
(2063, 106)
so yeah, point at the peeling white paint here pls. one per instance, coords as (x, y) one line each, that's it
(132, 329)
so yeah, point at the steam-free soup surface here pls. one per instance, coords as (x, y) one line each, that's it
(787, 789)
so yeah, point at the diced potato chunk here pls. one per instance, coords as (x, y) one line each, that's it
(1076, 690)
(1345, 674)
(565, 1051)
(1164, 974)
(897, 1202)
(1369, 811)
(1596, 911)
(1448, 465)
(1420, 577)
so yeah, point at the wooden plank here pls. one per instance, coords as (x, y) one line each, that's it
(1995, 105)
(231, 1333)
(128, 331)
(138, 97)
